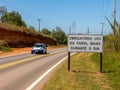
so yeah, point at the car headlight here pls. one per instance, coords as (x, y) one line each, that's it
(41, 48)
(32, 48)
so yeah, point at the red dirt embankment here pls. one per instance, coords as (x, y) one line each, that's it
(21, 39)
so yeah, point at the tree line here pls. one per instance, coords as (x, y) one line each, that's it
(57, 34)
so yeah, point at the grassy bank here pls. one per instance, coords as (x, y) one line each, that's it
(85, 71)
(111, 67)
(84, 75)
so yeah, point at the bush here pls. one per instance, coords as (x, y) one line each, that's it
(2, 43)
(4, 47)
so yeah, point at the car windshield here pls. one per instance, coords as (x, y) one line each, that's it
(38, 45)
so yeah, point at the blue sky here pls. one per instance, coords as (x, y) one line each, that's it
(62, 13)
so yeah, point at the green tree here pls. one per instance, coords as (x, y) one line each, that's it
(115, 36)
(46, 31)
(59, 36)
(13, 18)
(3, 10)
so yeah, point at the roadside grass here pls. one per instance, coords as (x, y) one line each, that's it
(84, 75)
(111, 67)
(5, 49)
(85, 71)
(111, 63)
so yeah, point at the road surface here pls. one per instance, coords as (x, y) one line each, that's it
(21, 72)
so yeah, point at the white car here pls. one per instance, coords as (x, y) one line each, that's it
(39, 48)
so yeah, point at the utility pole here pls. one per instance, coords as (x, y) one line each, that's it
(114, 17)
(73, 27)
(39, 24)
(70, 30)
(88, 31)
(102, 28)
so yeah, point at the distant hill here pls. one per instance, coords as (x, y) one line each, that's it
(22, 37)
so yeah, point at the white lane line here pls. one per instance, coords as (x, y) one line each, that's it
(45, 74)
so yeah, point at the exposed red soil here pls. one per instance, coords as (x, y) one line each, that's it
(20, 39)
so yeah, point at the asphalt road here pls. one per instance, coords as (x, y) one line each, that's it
(20, 72)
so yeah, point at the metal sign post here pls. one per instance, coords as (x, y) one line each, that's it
(68, 61)
(100, 62)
